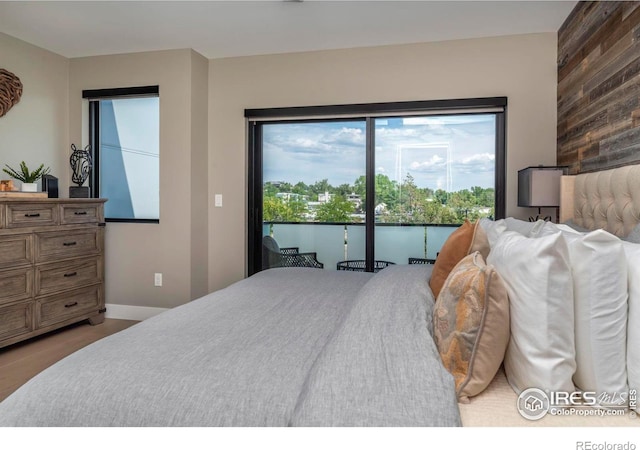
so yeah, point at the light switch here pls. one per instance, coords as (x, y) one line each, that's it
(218, 200)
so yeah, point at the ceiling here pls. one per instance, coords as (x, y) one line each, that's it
(219, 29)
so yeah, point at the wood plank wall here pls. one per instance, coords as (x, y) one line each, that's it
(599, 86)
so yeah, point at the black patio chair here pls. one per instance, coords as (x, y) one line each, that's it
(421, 261)
(274, 256)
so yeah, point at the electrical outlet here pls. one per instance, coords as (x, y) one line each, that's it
(218, 201)
(157, 279)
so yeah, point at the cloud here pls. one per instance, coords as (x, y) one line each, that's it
(314, 139)
(479, 157)
(479, 162)
(383, 134)
(306, 145)
(435, 164)
(346, 137)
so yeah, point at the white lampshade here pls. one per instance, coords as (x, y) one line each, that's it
(539, 187)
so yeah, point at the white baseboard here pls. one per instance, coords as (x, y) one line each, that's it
(130, 312)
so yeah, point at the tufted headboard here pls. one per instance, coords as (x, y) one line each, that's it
(609, 199)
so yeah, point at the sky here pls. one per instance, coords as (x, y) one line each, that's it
(137, 127)
(440, 152)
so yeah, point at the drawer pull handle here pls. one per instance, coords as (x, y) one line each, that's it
(80, 213)
(71, 274)
(70, 305)
(32, 215)
(69, 244)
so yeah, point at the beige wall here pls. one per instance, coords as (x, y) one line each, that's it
(35, 130)
(135, 251)
(523, 68)
(199, 175)
(203, 136)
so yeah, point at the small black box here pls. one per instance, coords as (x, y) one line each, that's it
(78, 191)
(50, 185)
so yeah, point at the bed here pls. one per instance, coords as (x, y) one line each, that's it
(286, 347)
(309, 347)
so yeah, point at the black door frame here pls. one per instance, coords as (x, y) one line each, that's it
(367, 112)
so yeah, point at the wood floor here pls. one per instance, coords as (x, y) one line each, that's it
(20, 362)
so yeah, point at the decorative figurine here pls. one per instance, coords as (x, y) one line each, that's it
(81, 164)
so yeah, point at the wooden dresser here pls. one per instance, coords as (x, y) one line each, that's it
(51, 265)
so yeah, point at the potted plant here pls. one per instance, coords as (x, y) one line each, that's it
(27, 178)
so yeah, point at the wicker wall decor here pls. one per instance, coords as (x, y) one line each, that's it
(10, 91)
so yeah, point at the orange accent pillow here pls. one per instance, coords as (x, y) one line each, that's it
(467, 239)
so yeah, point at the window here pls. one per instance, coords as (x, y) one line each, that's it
(362, 186)
(125, 138)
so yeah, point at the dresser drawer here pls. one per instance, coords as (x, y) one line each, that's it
(15, 285)
(31, 215)
(16, 319)
(16, 250)
(56, 277)
(57, 245)
(83, 213)
(61, 307)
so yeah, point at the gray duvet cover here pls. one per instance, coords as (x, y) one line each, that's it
(286, 347)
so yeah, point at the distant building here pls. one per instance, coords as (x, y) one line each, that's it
(356, 200)
(289, 196)
(381, 208)
(324, 198)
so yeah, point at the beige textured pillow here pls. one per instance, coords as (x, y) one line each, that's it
(471, 325)
(467, 239)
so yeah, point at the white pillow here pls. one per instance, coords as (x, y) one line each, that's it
(599, 271)
(523, 227)
(632, 253)
(548, 228)
(537, 274)
(493, 229)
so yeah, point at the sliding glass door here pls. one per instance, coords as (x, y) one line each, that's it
(361, 193)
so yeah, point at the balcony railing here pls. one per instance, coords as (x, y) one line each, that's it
(334, 242)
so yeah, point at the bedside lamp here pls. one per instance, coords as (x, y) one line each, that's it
(539, 187)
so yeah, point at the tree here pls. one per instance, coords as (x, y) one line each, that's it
(409, 194)
(403, 203)
(360, 186)
(270, 190)
(277, 210)
(441, 196)
(343, 190)
(300, 188)
(285, 187)
(428, 210)
(338, 209)
(386, 191)
(320, 187)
